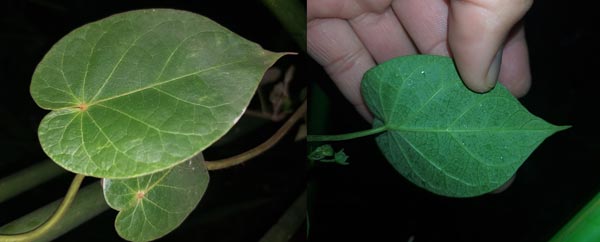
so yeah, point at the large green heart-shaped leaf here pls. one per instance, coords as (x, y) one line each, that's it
(444, 137)
(142, 91)
(153, 205)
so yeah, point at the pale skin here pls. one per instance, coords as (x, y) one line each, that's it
(485, 37)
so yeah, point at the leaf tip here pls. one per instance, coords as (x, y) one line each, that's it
(562, 127)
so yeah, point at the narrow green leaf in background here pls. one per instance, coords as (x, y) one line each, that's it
(444, 137)
(153, 205)
(143, 91)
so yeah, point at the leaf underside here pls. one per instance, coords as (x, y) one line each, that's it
(152, 206)
(143, 91)
(443, 137)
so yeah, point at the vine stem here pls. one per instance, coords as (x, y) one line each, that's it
(26, 179)
(240, 158)
(289, 222)
(56, 217)
(339, 137)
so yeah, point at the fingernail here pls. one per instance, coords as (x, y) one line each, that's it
(494, 70)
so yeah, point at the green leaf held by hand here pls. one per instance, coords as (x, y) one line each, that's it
(443, 137)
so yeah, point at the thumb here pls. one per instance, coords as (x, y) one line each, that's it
(477, 31)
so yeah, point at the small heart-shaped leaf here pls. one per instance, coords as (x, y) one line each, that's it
(153, 205)
(444, 137)
(142, 91)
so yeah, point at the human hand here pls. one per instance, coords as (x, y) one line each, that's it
(348, 37)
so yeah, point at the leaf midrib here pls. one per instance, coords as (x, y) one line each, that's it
(93, 101)
(448, 130)
(163, 82)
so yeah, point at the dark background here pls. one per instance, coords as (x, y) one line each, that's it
(241, 203)
(369, 201)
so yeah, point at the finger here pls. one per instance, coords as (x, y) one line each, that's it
(344, 9)
(515, 73)
(334, 45)
(425, 23)
(382, 35)
(477, 31)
